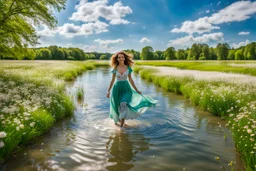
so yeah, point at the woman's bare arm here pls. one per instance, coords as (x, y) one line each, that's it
(132, 83)
(111, 84)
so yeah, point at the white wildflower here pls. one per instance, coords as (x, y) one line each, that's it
(2, 134)
(1, 144)
(32, 124)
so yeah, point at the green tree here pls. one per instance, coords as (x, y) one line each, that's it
(222, 51)
(239, 54)
(180, 54)
(16, 19)
(169, 53)
(61, 54)
(147, 53)
(43, 54)
(212, 54)
(75, 53)
(54, 51)
(206, 51)
(92, 56)
(202, 57)
(156, 56)
(231, 54)
(31, 54)
(103, 57)
(250, 51)
(195, 51)
(160, 54)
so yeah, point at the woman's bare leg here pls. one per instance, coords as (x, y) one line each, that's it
(122, 122)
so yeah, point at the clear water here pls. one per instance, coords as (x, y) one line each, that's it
(173, 136)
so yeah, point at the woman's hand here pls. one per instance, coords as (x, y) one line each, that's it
(107, 95)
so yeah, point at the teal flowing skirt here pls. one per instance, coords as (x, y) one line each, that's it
(126, 103)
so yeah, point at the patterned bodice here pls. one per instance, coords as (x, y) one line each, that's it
(121, 77)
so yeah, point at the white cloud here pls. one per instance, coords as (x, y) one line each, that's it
(45, 32)
(144, 40)
(71, 30)
(207, 11)
(106, 43)
(243, 33)
(92, 11)
(189, 40)
(218, 3)
(119, 21)
(89, 48)
(234, 45)
(199, 26)
(236, 12)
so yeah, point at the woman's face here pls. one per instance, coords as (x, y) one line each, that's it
(120, 58)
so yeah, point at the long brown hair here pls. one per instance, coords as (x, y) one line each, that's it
(128, 59)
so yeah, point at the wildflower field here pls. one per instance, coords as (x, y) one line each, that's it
(229, 96)
(32, 98)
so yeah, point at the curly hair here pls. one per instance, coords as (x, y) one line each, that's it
(128, 59)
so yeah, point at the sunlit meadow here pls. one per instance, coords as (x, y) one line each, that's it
(32, 98)
(232, 99)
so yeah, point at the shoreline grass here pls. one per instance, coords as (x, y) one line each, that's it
(240, 67)
(234, 103)
(32, 99)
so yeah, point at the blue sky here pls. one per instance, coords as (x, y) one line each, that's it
(110, 25)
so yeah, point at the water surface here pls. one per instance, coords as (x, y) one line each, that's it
(173, 136)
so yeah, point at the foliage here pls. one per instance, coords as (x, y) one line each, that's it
(233, 102)
(169, 53)
(147, 53)
(17, 19)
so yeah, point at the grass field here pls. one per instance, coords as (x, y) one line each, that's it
(233, 102)
(32, 98)
(241, 67)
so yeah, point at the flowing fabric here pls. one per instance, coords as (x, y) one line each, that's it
(125, 102)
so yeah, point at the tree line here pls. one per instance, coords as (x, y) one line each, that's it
(202, 52)
(195, 52)
(57, 53)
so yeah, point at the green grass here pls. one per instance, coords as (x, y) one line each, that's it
(232, 102)
(222, 66)
(80, 93)
(32, 99)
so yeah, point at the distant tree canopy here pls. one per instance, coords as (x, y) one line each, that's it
(169, 53)
(196, 52)
(16, 19)
(147, 53)
(222, 51)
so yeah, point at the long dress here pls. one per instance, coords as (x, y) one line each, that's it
(125, 102)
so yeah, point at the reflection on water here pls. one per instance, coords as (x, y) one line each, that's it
(173, 136)
(123, 148)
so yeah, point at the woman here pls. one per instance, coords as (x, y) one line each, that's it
(126, 101)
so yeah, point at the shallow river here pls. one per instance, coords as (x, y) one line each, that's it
(174, 135)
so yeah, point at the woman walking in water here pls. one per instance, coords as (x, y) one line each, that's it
(126, 101)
